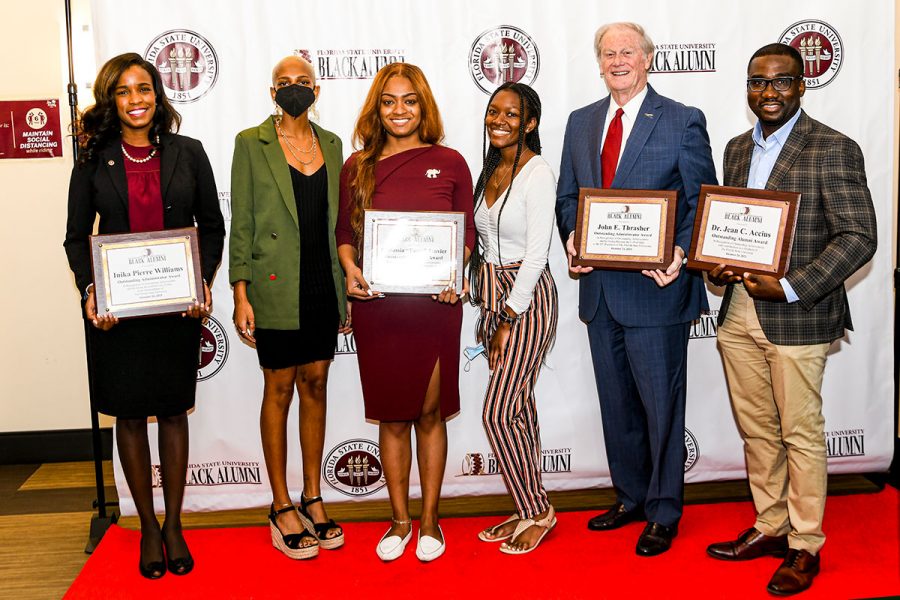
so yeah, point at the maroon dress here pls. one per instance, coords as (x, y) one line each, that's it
(400, 338)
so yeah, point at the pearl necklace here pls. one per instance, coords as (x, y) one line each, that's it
(138, 160)
(291, 147)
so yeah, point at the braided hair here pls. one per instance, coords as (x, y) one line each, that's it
(529, 108)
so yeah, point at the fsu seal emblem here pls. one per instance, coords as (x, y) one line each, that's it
(502, 54)
(691, 450)
(354, 469)
(186, 62)
(821, 48)
(213, 349)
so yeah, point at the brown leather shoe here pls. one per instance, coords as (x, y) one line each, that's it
(750, 544)
(795, 574)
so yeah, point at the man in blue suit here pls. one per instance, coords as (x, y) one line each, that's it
(638, 323)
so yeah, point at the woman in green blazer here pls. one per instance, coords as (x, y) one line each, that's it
(289, 289)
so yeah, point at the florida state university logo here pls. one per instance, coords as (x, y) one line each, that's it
(354, 469)
(503, 54)
(821, 48)
(213, 349)
(691, 450)
(186, 62)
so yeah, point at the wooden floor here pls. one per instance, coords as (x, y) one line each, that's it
(46, 512)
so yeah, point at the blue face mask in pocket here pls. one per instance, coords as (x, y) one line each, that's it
(471, 353)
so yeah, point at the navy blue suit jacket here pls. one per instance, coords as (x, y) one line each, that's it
(668, 149)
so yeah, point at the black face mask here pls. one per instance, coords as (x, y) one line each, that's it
(295, 99)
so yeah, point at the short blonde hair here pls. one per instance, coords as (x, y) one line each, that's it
(646, 43)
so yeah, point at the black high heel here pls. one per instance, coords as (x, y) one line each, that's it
(320, 529)
(290, 544)
(178, 566)
(154, 570)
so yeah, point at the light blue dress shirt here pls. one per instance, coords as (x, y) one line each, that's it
(765, 154)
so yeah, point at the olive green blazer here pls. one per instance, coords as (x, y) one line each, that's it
(264, 246)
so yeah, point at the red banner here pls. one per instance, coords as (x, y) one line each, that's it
(30, 129)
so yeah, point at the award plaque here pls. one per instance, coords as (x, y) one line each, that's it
(628, 230)
(148, 273)
(747, 230)
(413, 252)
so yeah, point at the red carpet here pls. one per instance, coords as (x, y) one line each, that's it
(861, 559)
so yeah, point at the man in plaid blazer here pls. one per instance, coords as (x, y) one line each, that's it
(774, 334)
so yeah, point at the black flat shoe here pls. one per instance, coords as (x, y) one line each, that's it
(320, 530)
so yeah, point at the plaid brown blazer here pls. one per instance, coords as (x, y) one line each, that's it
(835, 232)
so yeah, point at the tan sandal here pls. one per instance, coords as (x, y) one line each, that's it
(483, 534)
(548, 523)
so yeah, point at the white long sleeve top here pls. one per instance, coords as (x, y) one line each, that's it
(525, 231)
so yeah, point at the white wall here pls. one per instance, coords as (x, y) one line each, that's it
(42, 364)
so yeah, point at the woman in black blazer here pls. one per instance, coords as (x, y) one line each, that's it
(139, 176)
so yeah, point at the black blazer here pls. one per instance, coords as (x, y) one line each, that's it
(189, 198)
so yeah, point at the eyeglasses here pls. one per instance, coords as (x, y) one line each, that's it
(781, 84)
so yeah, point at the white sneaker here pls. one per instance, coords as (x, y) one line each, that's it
(429, 548)
(391, 547)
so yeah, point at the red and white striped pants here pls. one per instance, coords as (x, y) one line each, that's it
(510, 414)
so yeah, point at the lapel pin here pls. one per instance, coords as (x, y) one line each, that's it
(111, 162)
(648, 115)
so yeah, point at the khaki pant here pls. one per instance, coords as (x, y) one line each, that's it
(776, 397)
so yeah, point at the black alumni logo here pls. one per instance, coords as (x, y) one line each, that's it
(684, 58)
(220, 472)
(846, 442)
(553, 460)
(705, 326)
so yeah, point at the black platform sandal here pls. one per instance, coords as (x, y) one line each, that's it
(291, 543)
(320, 529)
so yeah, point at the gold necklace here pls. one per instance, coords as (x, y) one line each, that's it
(291, 147)
(499, 181)
(139, 161)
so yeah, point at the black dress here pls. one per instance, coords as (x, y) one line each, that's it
(317, 336)
(146, 366)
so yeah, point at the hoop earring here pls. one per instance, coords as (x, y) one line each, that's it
(314, 112)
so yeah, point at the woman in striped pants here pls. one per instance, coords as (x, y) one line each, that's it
(515, 197)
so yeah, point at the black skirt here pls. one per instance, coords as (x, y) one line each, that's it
(146, 367)
(314, 341)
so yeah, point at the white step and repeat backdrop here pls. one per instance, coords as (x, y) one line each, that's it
(216, 58)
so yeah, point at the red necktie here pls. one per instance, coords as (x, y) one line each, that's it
(609, 156)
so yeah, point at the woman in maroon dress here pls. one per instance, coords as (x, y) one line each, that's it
(137, 175)
(408, 346)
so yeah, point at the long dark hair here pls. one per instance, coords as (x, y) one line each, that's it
(99, 124)
(529, 108)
